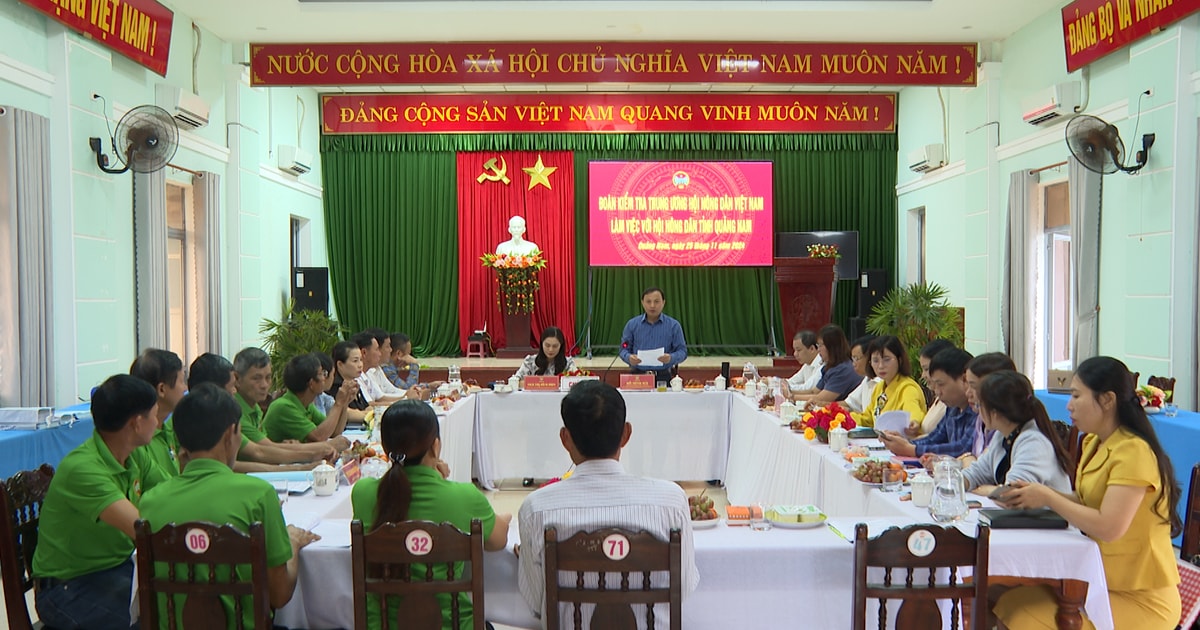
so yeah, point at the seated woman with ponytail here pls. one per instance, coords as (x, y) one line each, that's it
(1025, 446)
(415, 488)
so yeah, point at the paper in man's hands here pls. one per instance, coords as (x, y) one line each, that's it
(650, 357)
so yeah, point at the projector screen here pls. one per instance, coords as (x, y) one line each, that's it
(680, 214)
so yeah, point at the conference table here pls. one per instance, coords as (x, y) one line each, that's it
(1179, 436)
(26, 449)
(747, 578)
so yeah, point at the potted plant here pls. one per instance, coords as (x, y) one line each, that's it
(917, 314)
(296, 333)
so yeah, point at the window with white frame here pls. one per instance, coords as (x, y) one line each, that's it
(1055, 303)
(185, 322)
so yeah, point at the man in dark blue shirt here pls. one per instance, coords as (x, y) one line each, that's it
(955, 434)
(652, 331)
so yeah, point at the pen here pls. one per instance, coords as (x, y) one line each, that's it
(839, 534)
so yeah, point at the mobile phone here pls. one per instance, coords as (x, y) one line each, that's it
(999, 492)
(973, 504)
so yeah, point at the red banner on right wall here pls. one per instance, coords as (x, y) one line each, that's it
(1095, 28)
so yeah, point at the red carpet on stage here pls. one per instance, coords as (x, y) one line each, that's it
(485, 204)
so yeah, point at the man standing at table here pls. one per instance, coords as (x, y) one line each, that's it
(650, 331)
(82, 566)
(209, 490)
(599, 494)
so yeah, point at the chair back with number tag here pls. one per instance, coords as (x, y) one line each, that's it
(21, 498)
(1189, 549)
(1189, 593)
(194, 575)
(618, 553)
(921, 554)
(416, 561)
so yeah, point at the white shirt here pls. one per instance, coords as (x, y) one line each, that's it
(808, 376)
(600, 494)
(382, 382)
(861, 396)
(369, 389)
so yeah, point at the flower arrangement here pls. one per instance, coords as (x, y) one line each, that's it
(817, 424)
(821, 250)
(1151, 396)
(578, 372)
(517, 275)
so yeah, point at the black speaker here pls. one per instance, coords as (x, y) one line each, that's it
(872, 287)
(858, 328)
(310, 288)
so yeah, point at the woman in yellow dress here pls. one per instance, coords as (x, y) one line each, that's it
(1125, 499)
(896, 391)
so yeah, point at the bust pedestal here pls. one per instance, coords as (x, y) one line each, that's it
(518, 337)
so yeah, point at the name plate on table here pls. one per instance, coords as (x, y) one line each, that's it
(541, 383)
(567, 382)
(351, 471)
(643, 382)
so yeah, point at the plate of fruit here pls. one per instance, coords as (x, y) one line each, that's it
(693, 385)
(870, 472)
(704, 515)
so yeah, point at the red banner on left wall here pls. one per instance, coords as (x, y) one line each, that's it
(138, 29)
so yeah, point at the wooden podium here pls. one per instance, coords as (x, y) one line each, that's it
(806, 291)
(518, 335)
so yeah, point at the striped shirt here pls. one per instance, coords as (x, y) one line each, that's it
(665, 333)
(600, 494)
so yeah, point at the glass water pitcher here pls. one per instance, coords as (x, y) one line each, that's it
(949, 501)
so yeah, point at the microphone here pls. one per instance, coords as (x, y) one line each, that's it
(604, 378)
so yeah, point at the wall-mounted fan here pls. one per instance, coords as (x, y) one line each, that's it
(1098, 147)
(145, 141)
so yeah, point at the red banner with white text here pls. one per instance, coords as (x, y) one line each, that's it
(494, 186)
(597, 112)
(473, 63)
(1095, 28)
(138, 29)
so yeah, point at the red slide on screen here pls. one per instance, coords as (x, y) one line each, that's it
(680, 214)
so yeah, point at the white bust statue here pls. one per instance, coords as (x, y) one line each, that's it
(516, 246)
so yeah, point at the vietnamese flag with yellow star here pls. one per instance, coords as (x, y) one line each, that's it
(494, 186)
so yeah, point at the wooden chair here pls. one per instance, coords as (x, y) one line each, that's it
(1189, 549)
(896, 549)
(399, 559)
(1165, 383)
(585, 552)
(201, 588)
(21, 497)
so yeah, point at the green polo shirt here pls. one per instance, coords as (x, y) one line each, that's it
(209, 491)
(72, 540)
(252, 420)
(163, 449)
(288, 419)
(433, 499)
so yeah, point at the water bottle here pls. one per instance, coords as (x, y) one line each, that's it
(949, 501)
(454, 375)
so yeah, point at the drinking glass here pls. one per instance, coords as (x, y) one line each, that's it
(758, 518)
(893, 480)
(662, 386)
(1170, 409)
(282, 489)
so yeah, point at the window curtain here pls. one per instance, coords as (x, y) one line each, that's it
(27, 342)
(208, 248)
(1014, 301)
(1086, 190)
(398, 191)
(150, 258)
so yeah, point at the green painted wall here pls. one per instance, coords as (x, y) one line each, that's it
(49, 70)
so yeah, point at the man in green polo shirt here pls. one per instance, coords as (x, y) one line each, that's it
(293, 415)
(82, 566)
(256, 456)
(253, 369)
(163, 370)
(209, 490)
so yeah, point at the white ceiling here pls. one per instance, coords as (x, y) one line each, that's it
(590, 20)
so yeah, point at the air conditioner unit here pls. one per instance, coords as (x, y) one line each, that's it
(294, 160)
(189, 110)
(928, 158)
(1048, 106)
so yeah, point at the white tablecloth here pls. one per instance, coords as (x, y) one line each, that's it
(747, 579)
(678, 436)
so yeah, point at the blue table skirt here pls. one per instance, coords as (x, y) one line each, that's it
(26, 449)
(1180, 437)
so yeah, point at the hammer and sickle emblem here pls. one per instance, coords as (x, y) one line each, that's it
(498, 173)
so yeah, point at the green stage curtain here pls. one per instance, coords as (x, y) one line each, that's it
(822, 182)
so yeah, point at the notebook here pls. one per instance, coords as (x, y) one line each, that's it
(1000, 518)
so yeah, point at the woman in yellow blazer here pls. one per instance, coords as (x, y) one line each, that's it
(1125, 499)
(896, 390)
